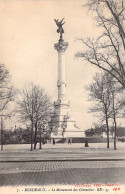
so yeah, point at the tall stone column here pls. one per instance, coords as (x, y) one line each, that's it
(61, 83)
(62, 123)
(61, 106)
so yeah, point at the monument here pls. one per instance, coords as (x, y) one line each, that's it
(64, 126)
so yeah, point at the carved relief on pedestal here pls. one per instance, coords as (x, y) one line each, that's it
(60, 83)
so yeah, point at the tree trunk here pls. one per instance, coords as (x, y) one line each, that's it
(115, 125)
(115, 135)
(1, 133)
(40, 144)
(31, 135)
(107, 125)
(35, 140)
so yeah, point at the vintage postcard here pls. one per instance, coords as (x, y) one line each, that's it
(62, 88)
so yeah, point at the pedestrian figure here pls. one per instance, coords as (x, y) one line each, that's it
(69, 142)
(123, 139)
(86, 143)
(35, 144)
(53, 141)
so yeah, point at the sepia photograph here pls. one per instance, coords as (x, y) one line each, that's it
(62, 96)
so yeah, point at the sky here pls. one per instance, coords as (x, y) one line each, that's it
(27, 38)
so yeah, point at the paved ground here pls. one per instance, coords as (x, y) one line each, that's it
(63, 172)
(62, 164)
(63, 152)
(12, 147)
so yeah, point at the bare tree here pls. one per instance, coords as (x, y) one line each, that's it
(34, 106)
(100, 93)
(117, 99)
(7, 94)
(107, 94)
(108, 50)
(7, 91)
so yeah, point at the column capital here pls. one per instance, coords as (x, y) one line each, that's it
(61, 46)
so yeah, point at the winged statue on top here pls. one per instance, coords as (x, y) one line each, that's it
(60, 28)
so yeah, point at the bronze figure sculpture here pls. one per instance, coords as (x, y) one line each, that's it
(60, 28)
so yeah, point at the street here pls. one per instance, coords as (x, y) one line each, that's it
(63, 152)
(62, 164)
(61, 172)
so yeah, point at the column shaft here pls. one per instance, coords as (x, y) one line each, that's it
(61, 75)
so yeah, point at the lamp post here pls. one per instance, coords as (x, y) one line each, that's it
(2, 126)
(43, 129)
(51, 128)
(40, 145)
(31, 135)
(1, 132)
(64, 127)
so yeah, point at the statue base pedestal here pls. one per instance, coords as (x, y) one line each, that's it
(64, 126)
